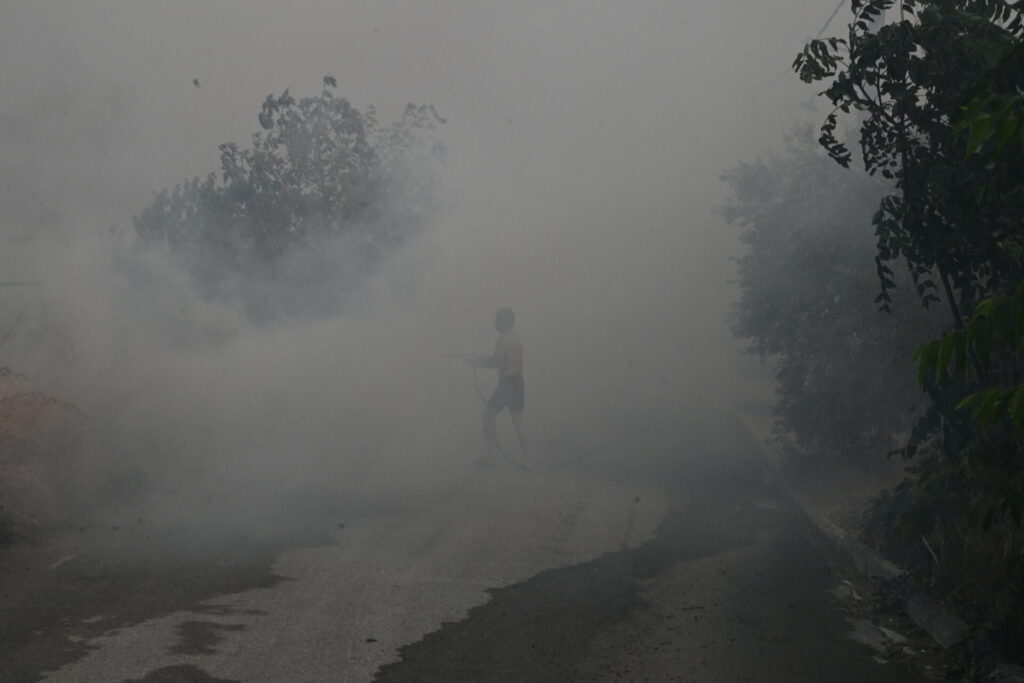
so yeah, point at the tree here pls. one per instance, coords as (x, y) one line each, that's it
(937, 97)
(907, 79)
(321, 173)
(806, 299)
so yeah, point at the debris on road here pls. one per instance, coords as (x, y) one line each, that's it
(63, 560)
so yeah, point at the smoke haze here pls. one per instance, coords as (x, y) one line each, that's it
(584, 145)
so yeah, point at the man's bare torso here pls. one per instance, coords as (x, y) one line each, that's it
(508, 354)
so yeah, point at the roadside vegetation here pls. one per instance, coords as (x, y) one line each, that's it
(288, 228)
(292, 224)
(807, 281)
(35, 430)
(925, 95)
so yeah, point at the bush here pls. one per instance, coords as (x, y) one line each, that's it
(807, 284)
(324, 186)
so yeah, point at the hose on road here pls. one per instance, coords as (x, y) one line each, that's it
(497, 443)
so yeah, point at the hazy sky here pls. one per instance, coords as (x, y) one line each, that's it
(99, 103)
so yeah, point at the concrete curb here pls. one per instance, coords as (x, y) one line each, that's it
(944, 628)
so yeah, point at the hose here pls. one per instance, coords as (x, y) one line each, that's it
(516, 463)
(480, 395)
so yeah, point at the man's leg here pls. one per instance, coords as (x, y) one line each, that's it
(517, 422)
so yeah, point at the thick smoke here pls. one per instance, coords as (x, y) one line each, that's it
(584, 146)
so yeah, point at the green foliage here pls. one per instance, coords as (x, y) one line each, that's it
(935, 91)
(997, 325)
(906, 79)
(934, 88)
(321, 171)
(994, 335)
(806, 290)
(995, 332)
(993, 127)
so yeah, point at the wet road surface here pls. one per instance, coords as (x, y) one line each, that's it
(675, 566)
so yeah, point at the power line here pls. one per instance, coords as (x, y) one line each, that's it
(833, 16)
(824, 28)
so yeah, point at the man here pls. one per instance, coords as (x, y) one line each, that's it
(510, 392)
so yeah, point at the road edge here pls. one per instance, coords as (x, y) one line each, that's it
(944, 627)
(866, 560)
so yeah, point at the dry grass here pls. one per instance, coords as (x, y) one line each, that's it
(36, 433)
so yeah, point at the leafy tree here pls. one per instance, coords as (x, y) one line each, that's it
(937, 96)
(924, 85)
(320, 171)
(994, 334)
(807, 286)
(907, 79)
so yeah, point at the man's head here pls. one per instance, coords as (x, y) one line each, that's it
(504, 319)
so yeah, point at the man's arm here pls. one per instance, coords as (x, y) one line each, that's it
(480, 360)
(492, 361)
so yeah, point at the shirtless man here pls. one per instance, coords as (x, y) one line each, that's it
(510, 392)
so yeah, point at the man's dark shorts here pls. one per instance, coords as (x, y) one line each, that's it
(510, 393)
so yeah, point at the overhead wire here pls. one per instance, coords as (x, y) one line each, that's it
(831, 17)
(819, 34)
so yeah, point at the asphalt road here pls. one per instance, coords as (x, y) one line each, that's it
(676, 565)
